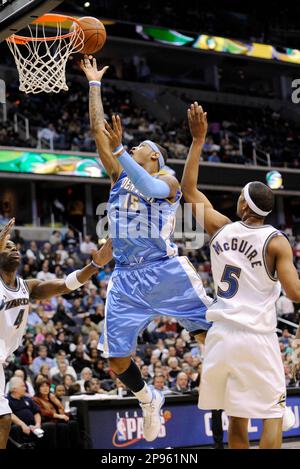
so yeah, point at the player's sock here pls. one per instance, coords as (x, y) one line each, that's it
(132, 378)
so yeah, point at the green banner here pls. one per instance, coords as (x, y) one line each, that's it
(50, 163)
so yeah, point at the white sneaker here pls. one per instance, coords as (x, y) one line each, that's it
(151, 415)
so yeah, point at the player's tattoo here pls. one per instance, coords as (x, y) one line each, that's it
(96, 108)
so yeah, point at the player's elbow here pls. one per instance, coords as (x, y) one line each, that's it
(97, 129)
(184, 186)
(188, 192)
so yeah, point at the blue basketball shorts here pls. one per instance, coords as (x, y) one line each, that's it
(138, 294)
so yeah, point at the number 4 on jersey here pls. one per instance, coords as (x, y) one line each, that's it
(231, 274)
(19, 318)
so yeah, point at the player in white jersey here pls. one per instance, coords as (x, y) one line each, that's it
(15, 295)
(242, 371)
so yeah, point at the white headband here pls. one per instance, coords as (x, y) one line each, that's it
(155, 148)
(251, 204)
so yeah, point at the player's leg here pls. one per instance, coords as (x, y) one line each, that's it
(255, 387)
(150, 399)
(126, 315)
(200, 336)
(5, 422)
(238, 433)
(271, 437)
(130, 375)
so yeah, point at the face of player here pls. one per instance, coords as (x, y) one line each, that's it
(142, 154)
(10, 258)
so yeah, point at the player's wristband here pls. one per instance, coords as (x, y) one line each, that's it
(96, 265)
(72, 282)
(95, 83)
(118, 151)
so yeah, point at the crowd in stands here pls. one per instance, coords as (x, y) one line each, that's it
(59, 356)
(233, 130)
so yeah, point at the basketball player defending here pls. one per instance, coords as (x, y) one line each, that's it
(15, 295)
(242, 371)
(150, 279)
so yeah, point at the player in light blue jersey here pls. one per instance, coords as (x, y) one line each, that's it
(150, 279)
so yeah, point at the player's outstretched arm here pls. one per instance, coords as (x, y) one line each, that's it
(213, 220)
(279, 249)
(94, 76)
(163, 187)
(41, 290)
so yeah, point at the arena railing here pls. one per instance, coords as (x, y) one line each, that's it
(289, 323)
(266, 160)
(21, 125)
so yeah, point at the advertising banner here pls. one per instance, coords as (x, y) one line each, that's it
(182, 425)
(50, 163)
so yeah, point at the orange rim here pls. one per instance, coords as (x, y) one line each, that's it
(47, 18)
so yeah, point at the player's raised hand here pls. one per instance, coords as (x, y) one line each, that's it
(197, 119)
(5, 233)
(114, 133)
(104, 255)
(89, 66)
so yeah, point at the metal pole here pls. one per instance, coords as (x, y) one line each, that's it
(254, 155)
(34, 204)
(240, 146)
(27, 128)
(288, 322)
(16, 123)
(4, 112)
(51, 143)
(84, 226)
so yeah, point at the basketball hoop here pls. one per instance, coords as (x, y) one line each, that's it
(41, 60)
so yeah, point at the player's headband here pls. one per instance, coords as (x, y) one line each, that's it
(155, 148)
(251, 204)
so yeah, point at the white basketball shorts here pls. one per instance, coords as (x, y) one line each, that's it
(242, 373)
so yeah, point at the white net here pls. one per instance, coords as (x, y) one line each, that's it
(41, 60)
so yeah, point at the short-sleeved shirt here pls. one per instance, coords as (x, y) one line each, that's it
(24, 408)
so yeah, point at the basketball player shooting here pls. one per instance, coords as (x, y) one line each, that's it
(242, 370)
(150, 279)
(15, 295)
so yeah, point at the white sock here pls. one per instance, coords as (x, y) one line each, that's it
(144, 395)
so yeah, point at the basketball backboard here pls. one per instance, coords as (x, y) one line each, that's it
(16, 14)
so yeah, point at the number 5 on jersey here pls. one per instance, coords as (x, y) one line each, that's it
(230, 275)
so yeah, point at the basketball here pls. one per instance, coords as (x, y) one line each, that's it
(94, 34)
